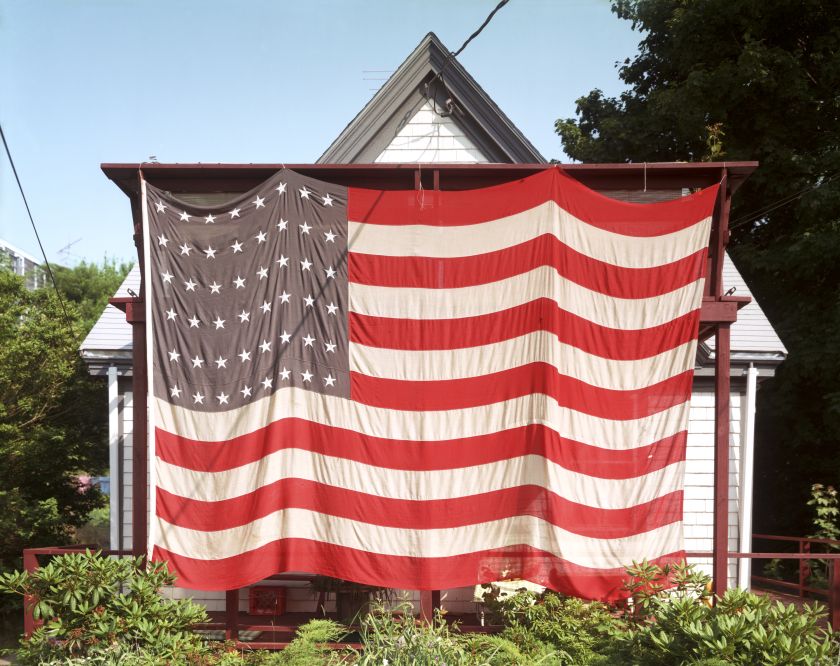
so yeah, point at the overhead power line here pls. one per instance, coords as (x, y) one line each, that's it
(779, 203)
(454, 54)
(35, 229)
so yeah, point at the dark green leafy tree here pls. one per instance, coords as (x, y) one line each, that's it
(752, 80)
(53, 421)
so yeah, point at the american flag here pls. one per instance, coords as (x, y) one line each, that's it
(421, 390)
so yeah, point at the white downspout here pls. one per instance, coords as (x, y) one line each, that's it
(114, 456)
(747, 458)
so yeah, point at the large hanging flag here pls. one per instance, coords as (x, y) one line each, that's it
(421, 390)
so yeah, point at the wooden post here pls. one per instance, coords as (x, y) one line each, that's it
(30, 563)
(721, 497)
(720, 237)
(834, 595)
(804, 567)
(232, 615)
(135, 313)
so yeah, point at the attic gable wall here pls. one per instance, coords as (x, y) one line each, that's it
(428, 137)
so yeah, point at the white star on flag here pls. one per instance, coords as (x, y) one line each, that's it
(304, 193)
(244, 316)
(167, 277)
(284, 297)
(332, 308)
(189, 285)
(171, 314)
(162, 240)
(175, 392)
(194, 322)
(174, 356)
(285, 337)
(283, 261)
(239, 282)
(198, 398)
(260, 237)
(222, 398)
(282, 224)
(160, 206)
(281, 188)
(330, 272)
(259, 202)
(308, 340)
(305, 265)
(308, 301)
(267, 383)
(284, 374)
(184, 217)
(237, 246)
(265, 307)
(330, 236)
(265, 346)
(210, 252)
(234, 213)
(328, 200)
(246, 392)
(185, 249)
(304, 228)
(329, 380)
(220, 363)
(197, 362)
(244, 355)
(330, 347)
(263, 273)
(214, 288)
(306, 375)
(209, 220)
(220, 323)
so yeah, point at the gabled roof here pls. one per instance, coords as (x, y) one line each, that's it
(109, 342)
(405, 93)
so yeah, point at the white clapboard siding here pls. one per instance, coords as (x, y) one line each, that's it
(428, 137)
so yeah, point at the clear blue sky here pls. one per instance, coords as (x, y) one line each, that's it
(91, 81)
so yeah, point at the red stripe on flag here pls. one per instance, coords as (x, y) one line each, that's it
(539, 315)
(467, 207)
(420, 456)
(521, 562)
(517, 382)
(545, 250)
(525, 500)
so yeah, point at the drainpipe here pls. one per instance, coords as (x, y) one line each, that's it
(747, 457)
(114, 457)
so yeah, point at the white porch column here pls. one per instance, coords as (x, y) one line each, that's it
(746, 491)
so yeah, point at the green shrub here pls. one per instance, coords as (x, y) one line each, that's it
(678, 626)
(106, 611)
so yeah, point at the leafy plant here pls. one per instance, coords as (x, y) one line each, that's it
(553, 628)
(398, 639)
(103, 608)
(679, 626)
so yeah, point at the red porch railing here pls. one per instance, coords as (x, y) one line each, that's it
(282, 628)
(808, 549)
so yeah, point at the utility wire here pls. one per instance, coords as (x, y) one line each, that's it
(35, 229)
(453, 54)
(779, 203)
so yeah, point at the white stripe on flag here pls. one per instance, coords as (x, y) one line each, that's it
(447, 542)
(420, 485)
(421, 425)
(414, 240)
(541, 346)
(542, 282)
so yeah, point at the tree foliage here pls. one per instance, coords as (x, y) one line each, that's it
(752, 80)
(53, 420)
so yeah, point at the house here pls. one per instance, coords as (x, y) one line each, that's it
(431, 111)
(23, 264)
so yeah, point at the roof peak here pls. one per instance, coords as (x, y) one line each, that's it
(418, 80)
